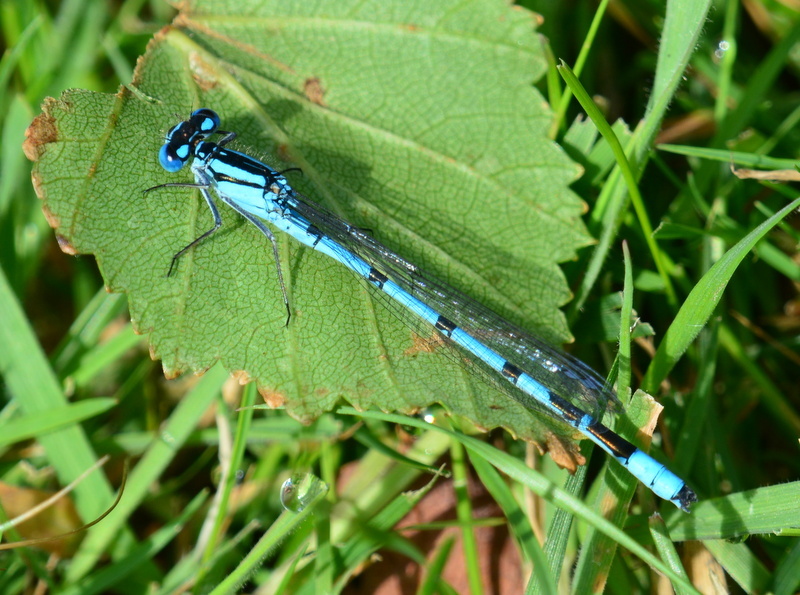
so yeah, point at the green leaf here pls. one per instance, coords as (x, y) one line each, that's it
(702, 300)
(52, 420)
(416, 121)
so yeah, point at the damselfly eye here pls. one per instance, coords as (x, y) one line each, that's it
(205, 120)
(169, 159)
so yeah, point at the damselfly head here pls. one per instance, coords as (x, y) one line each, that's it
(182, 138)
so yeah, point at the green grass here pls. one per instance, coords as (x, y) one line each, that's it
(707, 267)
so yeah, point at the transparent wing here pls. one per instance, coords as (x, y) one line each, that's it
(559, 372)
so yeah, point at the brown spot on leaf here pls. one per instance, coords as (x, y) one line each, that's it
(564, 453)
(272, 398)
(41, 132)
(65, 245)
(282, 152)
(53, 221)
(169, 373)
(38, 187)
(203, 73)
(241, 377)
(314, 91)
(424, 344)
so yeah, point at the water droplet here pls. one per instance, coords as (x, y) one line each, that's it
(722, 47)
(300, 489)
(429, 415)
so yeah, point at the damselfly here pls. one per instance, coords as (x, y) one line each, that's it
(533, 373)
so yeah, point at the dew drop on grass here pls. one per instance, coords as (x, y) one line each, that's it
(300, 489)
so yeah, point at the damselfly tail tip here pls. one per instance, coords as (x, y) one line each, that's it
(685, 498)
